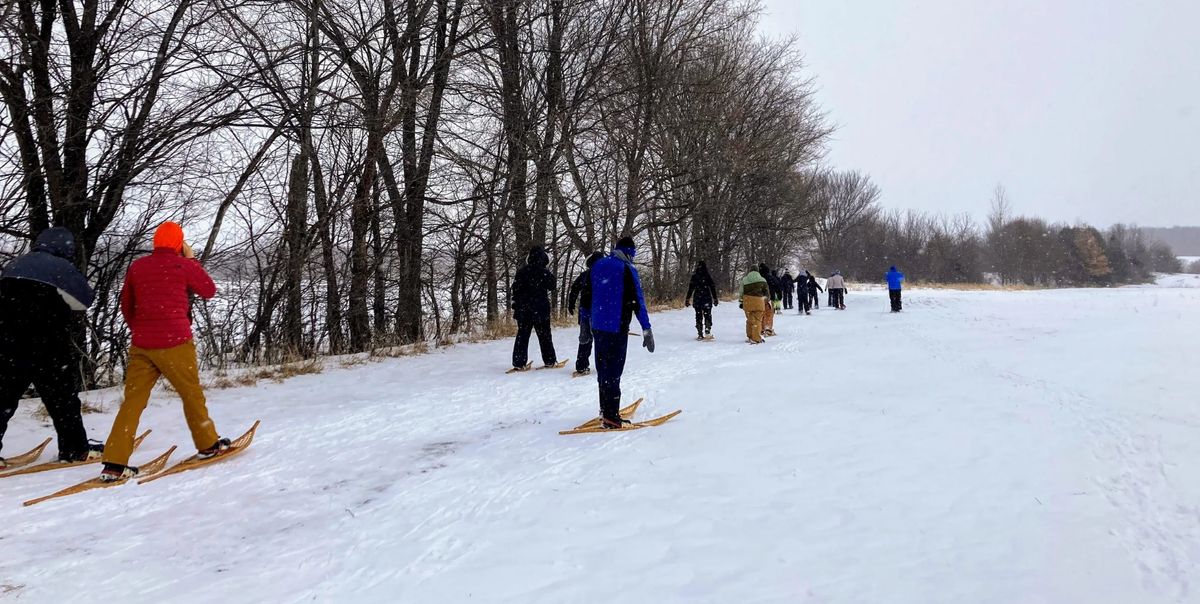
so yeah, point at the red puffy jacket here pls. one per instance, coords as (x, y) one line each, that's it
(155, 300)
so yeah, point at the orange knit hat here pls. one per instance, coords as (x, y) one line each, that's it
(169, 235)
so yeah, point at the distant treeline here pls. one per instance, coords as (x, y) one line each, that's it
(1184, 240)
(861, 239)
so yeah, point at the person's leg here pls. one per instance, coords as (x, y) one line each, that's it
(699, 308)
(899, 299)
(707, 320)
(768, 318)
(610, 364)
(140, 376)
(13, 381)
(58, 384)
(520, 354)
(179, 366)
(584, 355)
(546, 342)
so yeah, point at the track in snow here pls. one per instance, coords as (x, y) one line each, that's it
(982, 447)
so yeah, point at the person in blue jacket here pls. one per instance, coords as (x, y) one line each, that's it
(40, 293)
(581, 291)
(616, 297)
(894, 279)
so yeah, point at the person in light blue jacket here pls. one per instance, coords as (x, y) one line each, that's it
(894, 279)
(616, 297)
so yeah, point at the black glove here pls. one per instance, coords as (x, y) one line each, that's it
(571, 309)
(687, 303)
(716, 301)
(740, 305)
(648, 340)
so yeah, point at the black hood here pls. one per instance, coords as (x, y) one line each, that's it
(58, 241)
(538, 257)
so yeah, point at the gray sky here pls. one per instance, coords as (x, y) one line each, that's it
(1083, 109)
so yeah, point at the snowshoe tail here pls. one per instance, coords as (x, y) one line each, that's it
(59, 465)
(24, 459)
(151, 467)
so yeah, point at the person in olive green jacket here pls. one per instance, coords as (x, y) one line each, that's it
(755, 300)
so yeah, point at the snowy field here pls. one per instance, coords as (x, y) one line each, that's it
(980, 447)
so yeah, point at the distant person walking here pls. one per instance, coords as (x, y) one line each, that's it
(581, 291)
(894, 280)
(40, 293)
(531, 291)
(813, 289)
(754, 300)
(702, 295)
(616, 298)
(837, 290)
(789, 289)
(775, 294)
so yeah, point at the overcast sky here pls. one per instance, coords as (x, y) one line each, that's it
(1083, 109)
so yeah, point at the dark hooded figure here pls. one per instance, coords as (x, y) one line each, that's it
(789, 289)
(581, 291)
(702, 295)
(39, 294)
(813, 288)
(531, 291)
(772, 282)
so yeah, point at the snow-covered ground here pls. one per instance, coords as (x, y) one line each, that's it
(980, 447)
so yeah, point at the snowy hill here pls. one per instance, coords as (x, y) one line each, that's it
(980, 447)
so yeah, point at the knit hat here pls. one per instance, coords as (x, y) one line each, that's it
(625, 244)
(169, 235)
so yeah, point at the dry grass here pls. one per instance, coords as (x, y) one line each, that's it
(251, 377)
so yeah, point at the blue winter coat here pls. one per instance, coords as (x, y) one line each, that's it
(617, 296)
(50, 263)
(894, 277)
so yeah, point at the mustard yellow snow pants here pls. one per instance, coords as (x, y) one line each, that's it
(179, 366)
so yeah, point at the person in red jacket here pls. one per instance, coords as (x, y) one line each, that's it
(155, 302)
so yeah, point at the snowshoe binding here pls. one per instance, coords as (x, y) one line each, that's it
(115, 472)
(95, 450)
(608, 424)
(221, 446)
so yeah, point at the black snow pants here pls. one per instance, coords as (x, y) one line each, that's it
(521, 346)
(787, 299)
(703, 319)
(814, 299)
(611, 349)
(837, 298)
(894, 295)
(56, 378)
(584, 356)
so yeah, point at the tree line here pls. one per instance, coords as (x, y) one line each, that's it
(371, 173)
(857, 236)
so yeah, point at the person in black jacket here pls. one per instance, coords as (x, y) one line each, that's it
(702, 295)
(39, 294)
(789, 288)
(581, 291)
(531, 291)
(813, 288)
